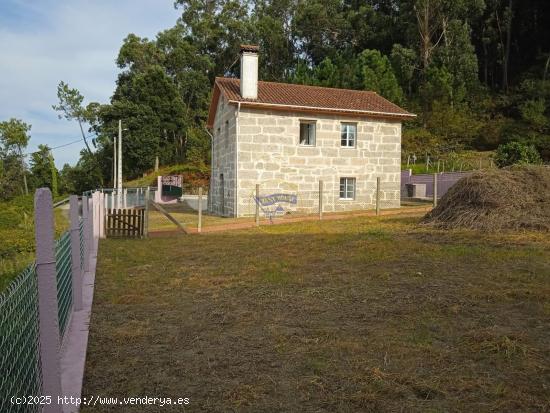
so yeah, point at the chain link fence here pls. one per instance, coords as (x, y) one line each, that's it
(19, 343)
(64, 277)
(21, 368)
(267, 202)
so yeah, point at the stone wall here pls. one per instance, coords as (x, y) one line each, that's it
(269, 154)
(223, 161)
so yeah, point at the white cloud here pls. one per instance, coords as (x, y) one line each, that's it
(44, 42)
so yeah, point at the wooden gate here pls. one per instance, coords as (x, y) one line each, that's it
(125, 223)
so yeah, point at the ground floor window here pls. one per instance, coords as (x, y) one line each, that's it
(347, 188)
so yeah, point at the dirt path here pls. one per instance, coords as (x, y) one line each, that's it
(407, 211)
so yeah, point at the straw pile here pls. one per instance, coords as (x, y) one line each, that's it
(493, 200)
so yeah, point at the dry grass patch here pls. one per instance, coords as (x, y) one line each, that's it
(355, 315)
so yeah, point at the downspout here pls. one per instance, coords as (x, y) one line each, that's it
(236, 197)
(211, 170)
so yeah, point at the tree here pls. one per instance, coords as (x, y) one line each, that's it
(14, 137)
(376, 74)
(44, 172)
(70, 107)
(404, 63)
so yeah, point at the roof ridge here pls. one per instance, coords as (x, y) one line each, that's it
(301, 85)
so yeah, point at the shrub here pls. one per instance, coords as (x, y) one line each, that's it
(9, 218)
(516, 153)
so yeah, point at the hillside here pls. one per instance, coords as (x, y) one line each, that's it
(193, 176)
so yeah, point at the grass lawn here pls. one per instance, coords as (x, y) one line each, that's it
(356, 315)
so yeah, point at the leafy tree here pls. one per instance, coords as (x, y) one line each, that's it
(70, 107)
(44, 172)
(14, 137)
(376, 74)
(516, 153)
(404, 63)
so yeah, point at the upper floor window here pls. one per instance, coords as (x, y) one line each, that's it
(307, 133)
(348, 135)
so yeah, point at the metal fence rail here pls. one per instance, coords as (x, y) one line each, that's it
(19, 342)
(64, 280)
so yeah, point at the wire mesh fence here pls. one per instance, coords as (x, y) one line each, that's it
(19, 342)
(64, 280)
(267, 202)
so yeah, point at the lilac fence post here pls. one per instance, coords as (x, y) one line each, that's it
(75, 253)
(47, 298)
(101, 206)
(91, 217)
(95, 215)
(85, 218)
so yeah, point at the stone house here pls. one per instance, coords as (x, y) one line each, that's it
(288, 137)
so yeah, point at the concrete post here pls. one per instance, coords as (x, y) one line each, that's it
(257, 204)
(86, 219)
(48, 322)
(435, 190)
(95, 217)
(320, 199)
(93, 223)
(75, 253)
(378, 195)
(199, 225)
(90, 229)
(158, 193)
(146, 214)
(101, 207)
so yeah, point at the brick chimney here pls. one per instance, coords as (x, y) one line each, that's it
(249, 71)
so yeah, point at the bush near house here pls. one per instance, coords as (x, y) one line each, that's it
(517, 153)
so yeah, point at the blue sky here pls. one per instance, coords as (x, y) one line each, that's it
(45, 41)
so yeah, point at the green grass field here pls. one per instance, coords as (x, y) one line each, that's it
(17, 238)
(362, 314)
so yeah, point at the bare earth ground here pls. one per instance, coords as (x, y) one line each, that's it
(357, 315)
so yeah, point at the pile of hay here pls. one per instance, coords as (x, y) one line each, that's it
(512, 198)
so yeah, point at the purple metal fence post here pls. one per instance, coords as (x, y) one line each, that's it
(47, 298)
(75, 253)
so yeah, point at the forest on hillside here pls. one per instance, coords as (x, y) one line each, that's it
(477, 73)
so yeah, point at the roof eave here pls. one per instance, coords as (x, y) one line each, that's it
(315, 109)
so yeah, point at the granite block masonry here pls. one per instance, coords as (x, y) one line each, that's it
(287, 138)
(253, 146)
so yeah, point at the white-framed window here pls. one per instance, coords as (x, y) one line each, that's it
(348, 135)
(307, 132)
(347, 188)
